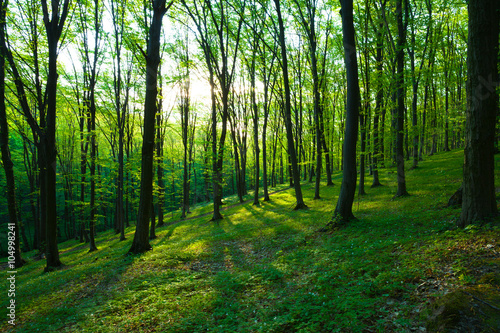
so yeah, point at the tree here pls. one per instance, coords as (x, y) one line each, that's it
(118, 17)
(478, 196)
(379, 97)
(343, 210)
(364, 116)
(254, 43)
(415, 77)
(221, 64)
(268, 76)
(287, 112)
(13, 227)
(141, 237)
(399, 111)
(308, 22)
(22, 86)
(54, 24)
(186, 122)
(91, 52)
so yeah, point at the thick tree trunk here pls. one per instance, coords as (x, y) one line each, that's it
(479, 202)
(343, 210)
(141, 237)
(51, 163)
(53, 28)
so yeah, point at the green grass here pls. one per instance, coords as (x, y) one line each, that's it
(267, 269)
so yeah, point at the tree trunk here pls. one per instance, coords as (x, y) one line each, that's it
(159, 167)
(185, 120)
(141, 237)
(424, 119)
(399, 114)
(152, 230)
(479, 202)
(255, 117)
(378, 105)
(14, 246)
(287, 113)
(117, 12)
(343, 210)
(53, 28)
(264, 143)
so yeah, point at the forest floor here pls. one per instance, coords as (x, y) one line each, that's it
(402, 266)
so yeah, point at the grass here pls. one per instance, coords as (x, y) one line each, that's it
(267, 269)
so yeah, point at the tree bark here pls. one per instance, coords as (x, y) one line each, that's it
(117, 12)
(343, 210)
(378, 105)
(53, 27)
(400, 97)
(479, 202)
(287, 113)
(255, 117)
(185, 122)
(140, 243)
(14, 244)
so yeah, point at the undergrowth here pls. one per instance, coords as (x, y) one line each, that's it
(268, 269)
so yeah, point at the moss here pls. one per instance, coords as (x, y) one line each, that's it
(447, 311)
(492, 278)
(467, 310)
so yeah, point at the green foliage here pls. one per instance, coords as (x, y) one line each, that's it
(267, 269)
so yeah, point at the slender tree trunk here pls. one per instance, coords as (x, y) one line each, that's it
(159, 168)
(446, 108)
(215, 171)
(424, 116)
(287, 113)
(117, 12)
(264, 144)
(399, 114)
(14, 246)
(378, 105)
(411, 54)
(434, 119)
(362, 155)
(185, 120)
(93, 156)
(255, 117)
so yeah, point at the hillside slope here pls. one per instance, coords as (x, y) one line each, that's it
(401, 267)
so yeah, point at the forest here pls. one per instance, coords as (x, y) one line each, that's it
(250, 165)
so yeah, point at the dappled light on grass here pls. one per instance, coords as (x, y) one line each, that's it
(266, 268)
